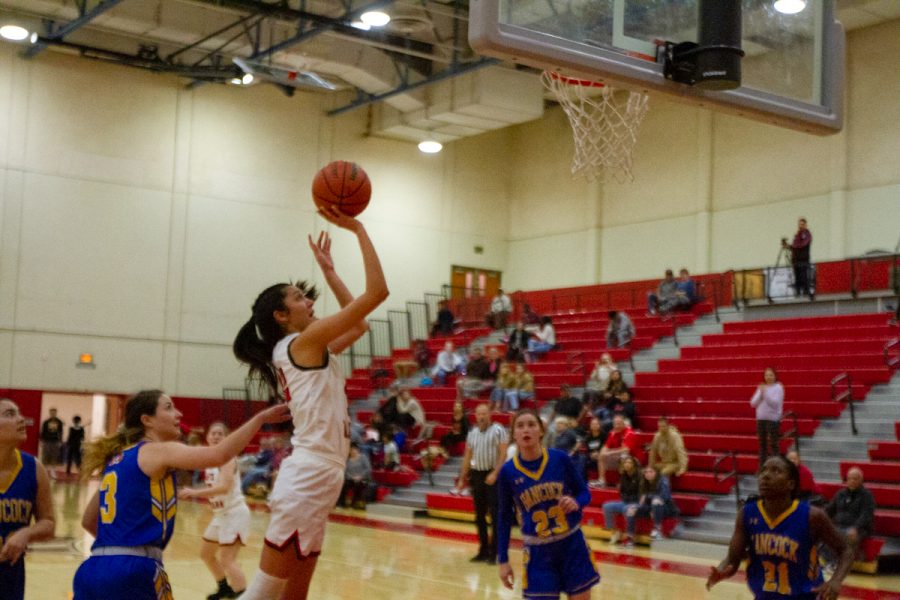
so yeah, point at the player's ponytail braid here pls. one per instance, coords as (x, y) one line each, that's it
(102, 450)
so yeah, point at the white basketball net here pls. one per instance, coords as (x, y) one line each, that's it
(605, 123)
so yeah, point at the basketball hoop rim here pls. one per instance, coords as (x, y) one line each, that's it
(573, 80)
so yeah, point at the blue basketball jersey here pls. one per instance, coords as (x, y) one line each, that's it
(783, 558)
(18, 495)
(134, 510)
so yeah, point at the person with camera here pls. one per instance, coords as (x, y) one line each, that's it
(799, 249)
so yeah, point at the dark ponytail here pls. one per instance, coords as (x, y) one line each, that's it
(257, 337)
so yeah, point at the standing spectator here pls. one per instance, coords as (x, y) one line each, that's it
(769, 404)
(448, 363)
(517, 343)
(523, 390)
(629, 495)
(598, 380)
(664, 296)
(51, 439)
(622, 442)
(479, 376)
(853, 510)
(459, 428)
(445, 322)
(667, 452)
(620, 330)
(545, 342)
(501, 307)
(356, 478)
(485, 454)
(655, 501)
(800, 248)
(809, 490)
(73, 444)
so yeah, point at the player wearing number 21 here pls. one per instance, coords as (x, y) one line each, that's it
(780, 536)
(132, 514)
(548, 493)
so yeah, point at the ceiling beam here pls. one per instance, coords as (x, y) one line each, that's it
(59, 34)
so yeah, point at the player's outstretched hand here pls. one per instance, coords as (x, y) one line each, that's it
(568, 504)
(507, 576)
(333, 215)
(829, 590)
(322, 251)
(14, 548)
(275, 414)
(716, 575)
(185, 494)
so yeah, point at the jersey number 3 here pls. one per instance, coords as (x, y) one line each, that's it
(108, 497)
(783, 583)
(542, 521)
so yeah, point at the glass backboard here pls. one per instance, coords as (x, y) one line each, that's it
(792, 72)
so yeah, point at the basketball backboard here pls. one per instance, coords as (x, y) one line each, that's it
(793, 70)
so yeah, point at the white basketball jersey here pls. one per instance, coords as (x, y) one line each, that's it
(233, 497)
(318, 403)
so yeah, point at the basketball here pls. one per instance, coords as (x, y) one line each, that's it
(344, 185)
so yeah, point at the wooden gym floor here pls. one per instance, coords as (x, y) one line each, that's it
(383, 558)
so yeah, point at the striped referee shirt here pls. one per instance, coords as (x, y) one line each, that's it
(484, 446)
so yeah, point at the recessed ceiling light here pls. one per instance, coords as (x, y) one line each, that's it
(13, 33)
(235, 81)
(34, 37)
(247, 79)
(361, 25)
(790, 7)
(430, 147)
(375, 18)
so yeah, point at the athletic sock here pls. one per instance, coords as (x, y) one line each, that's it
(264, 587)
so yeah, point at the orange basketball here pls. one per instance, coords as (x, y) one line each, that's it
(342, 184)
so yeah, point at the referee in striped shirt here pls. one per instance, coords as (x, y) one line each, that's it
(485, 454)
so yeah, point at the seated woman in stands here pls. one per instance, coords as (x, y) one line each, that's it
(544, 342)
(459, 428)
(412, 416)
(506, 381)
(517, 343)
(593, 443)
(523, 389)
(655, 501)
(629, 496)
(445, 322)
(599, 378)
(616, 398)
(809, 489)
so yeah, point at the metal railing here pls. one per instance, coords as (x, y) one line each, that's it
(845, 395)
(575, 362)
(892, 360)
(721, 477)
(794, 432)
(673, 319)
(400, 328)
(419, 323)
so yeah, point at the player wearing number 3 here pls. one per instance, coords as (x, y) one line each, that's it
(548, 493)
(295, 353)
(132, 515)
(780, 536)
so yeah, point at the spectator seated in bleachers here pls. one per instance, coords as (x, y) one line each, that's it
(593, 442)
(480, 376)
(620, 330)
(568, 406)
(667, 452)
(260, 470)
(390, 452)
(421, 354)
(596, 383)
(357, 476)
(620, 443)
(506, 381)
(517, 344)
(412, 416)
(543, 342)
(568, 440)
(501, 308)
(529, 317)
(686, 294)
(629, 496)
(459, 429)
(809, 489)
(446, 320)
(616, 397)
(448, 363)
(523, 389)
(387, 413)
(655, 501)
(665, 296)
(852, 509)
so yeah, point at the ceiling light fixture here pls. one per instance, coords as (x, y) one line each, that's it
(360, 25)
(247, 79)
(375, 18)
(430, 147)
(14, 33)
(790, 7)
(235, 81)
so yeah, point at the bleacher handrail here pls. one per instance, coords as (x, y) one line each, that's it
(889, 360)
(720, 477)
(846, 395)
(673, 319)
(571, 357)
(795, 431)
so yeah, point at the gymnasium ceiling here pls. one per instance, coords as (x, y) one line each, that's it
(403, 69)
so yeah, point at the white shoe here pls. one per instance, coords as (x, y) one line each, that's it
(615, 537)
(655, 535)
(454, 492)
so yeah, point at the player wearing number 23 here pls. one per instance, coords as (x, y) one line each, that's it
(547, 492)
(780, 536)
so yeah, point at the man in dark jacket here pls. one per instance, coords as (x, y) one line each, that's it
(853, 509)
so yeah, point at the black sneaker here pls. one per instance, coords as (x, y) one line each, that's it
(478, 558)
